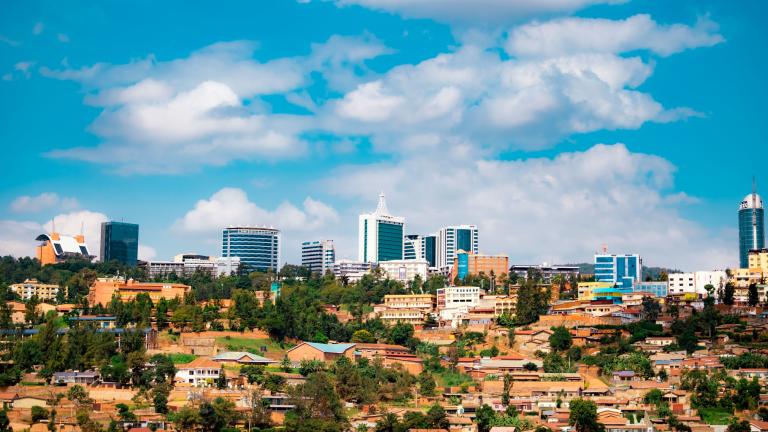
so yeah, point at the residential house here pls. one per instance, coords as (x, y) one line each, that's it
(325, 352)
(87, 377)
(240, 357)
(200, 372)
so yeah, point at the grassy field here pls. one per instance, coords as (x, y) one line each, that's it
(251, 345)
(449, 379)
(715, 416)
(181, 358)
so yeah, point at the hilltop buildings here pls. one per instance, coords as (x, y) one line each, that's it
(622, 270)
(120, 242)
(467, 263)
(32, 288)
(257, 248)
(188, 264)
(381, 235)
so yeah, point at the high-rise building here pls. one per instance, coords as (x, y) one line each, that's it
(452, 239)
(257, 248)
(751, 227)
(422, 247)
(318, 256)
(429, 249)
(380, 235)
(120, 242)
(622, 270)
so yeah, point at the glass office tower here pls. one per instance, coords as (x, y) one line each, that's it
(120, 242)
(257, 248)
(751, 227)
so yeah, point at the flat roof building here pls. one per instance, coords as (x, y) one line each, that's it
(257, 248)
(120, 242)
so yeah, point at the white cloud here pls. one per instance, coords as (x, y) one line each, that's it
(38, 28)
(555, 210)
(147, 253)
(476, 12)
(231, 207)
(569, 36)
(17, 238)
(63, 37)
(9, 41)
(43, 201)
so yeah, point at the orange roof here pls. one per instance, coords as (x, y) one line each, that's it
(200, 363)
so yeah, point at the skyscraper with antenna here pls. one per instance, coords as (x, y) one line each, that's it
(751, 225)
(380, 235)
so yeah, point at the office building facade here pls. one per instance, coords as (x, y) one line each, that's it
(465, 263)
(751, 227)
(547, 271)
(622, 270)
(55, 248)
(380, 235)
(405, 270)
(696, 282)
(257, 248)
(318, 256)
(452, 239)
(120, 242)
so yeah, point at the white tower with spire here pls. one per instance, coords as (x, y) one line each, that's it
(380, 235)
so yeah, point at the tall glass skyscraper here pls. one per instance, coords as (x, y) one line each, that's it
(751, 227)
(120, 242)
(257, 248)
(380, 235)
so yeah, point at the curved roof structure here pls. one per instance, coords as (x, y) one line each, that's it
(751, 201)
(65, 244)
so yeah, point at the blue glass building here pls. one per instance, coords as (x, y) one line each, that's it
(622, 270)
(659, 289)
(120, 242)
(751, 227)
(257, 248)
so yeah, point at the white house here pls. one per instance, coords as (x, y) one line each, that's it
(200, 372)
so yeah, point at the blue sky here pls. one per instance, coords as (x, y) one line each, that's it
(556, 129)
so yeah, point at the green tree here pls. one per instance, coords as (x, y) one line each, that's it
(560, 339)
(728, 294)
(752, 297)
(316, 399)
(484, 418)
(39, 413)
(427, 384)
(737, 425)
(653, 397)
(5, 424)
(651, 309)
(583, 416)
(362, 336)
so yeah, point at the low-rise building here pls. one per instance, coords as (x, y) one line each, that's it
(103, 289)
(467, 263)
(75, 377)
(405, 270)
(240, 357)
(32, 288)
(325, 352)
(200, 372)
(696, 282)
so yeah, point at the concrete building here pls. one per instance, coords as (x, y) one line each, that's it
(695, 283)
(325, 352)
(405, 270)
(454, 303)
(103, 289)
(120, 242)
(55, 247)
(758, 259)
(380, 235)
(417, 246)
(425, 302)
(318, 256)
(547, 271)
(351, 270)
(451, 239)
(623, 270)
(189, 264)
(751, 226)
(200, 372)
(467, 263)
(257, 247)
(31, 287)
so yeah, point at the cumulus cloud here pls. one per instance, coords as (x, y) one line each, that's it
(556, 210)
(172, 116)
(568, 36)
(147, 253)
(43, 201)
(477, 12)
(231, 207)
(17, 238)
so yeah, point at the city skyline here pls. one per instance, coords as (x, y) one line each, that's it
(301, 126)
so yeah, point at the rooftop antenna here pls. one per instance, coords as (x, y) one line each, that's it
(605, 248)
(754, 212)
(53, 223)
(81, 227)
(381, 209)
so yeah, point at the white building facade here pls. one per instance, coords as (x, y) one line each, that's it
(695, 283)
(405, 270)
